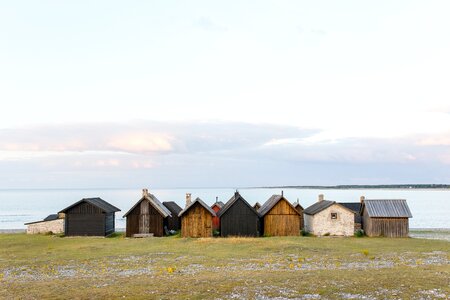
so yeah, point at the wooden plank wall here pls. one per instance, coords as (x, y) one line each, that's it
(239, 220)
(387, 227)
(302, 222)
(282, 220)
(85, 219)
(144, 218)
(196, 222)
(216, 220)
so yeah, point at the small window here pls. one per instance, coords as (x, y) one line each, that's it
(334, 216)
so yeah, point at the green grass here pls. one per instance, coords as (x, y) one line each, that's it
(39, 266)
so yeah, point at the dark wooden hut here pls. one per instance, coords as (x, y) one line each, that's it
(279, 217)
(196, 219)
(148, 216)
(173, 221)
(257, 206)
(89, 217)
(216, 207)
(388, 217)
(300, 210)
(238, 218)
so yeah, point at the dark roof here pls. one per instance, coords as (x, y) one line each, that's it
(387, 208)
(98, 202)
(218, 203)
(298, 204)
(51, 217)
(318, 207)
(355, 206)
(270, 203)
(230, 203)
(200, 201)
(155, 203)
(173, 207)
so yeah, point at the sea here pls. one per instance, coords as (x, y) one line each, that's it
(430, 208)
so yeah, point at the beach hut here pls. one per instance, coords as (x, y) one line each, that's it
(147, 217)
(279, 217)
(173, 221)
(89, 217)
(300, 209)
(216, 207)
(329, 218)
(238, 218)
(51, 224)
(196, 219)
(385, 217)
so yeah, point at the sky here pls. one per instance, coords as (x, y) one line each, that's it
(168, 94)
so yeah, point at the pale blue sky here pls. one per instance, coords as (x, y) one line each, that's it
(209, 93)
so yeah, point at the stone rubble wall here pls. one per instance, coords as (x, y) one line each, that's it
(55, 226)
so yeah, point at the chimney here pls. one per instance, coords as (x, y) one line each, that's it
(282, 193)
(188, 199)
(144, 192)
(361, 199)
(320, 197)
(217, 199)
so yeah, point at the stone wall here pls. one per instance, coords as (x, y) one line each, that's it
(322, 223)
(55, 226)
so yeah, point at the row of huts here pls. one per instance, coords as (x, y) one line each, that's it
(276, 217)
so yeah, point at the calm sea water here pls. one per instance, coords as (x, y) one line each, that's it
(430, 208)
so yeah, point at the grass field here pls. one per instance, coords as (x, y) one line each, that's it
(39, 266)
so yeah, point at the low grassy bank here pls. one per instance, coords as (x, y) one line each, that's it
(36, 266)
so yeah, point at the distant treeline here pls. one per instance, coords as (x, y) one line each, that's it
(367, 186)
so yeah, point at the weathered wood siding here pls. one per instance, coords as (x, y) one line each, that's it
(196, 222)
(85, 219)
(282, 220)
(387, 227)
(173, 222)
(144, 218)
(239, 220)
(302, 221)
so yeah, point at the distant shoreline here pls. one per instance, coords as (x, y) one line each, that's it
(364, 187)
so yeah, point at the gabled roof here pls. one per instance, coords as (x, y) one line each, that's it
(271, 202)
(233, 200)
(98, 202)
(355, 206)
(155, 203)
(198, 200)
(387, 208)
(295, 204)
(218, 203)
(173, 207)
(321, 205)
(318, 207)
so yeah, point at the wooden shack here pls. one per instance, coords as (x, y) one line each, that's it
(196, 219)
(327, 217)
(279, 217)
(300, 209)
(147, 217)
(89, 217)
(239, 218)
(173, 221)
(216, 207)
(385, 217)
